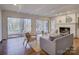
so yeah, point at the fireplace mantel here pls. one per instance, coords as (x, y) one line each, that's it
(64, 23)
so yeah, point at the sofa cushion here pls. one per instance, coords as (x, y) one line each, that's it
(52, 38)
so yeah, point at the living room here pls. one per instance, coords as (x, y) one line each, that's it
(41, 21)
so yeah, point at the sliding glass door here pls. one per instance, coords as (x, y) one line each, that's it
(18, 26)
(41, 25)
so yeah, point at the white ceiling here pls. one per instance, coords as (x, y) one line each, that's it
(41, 9)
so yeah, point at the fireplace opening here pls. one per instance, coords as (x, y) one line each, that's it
(64, 30)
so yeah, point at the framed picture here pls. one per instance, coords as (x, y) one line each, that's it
(68, 19)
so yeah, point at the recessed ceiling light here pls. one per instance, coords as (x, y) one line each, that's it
(14, 4)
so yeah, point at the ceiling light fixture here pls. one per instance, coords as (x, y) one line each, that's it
(14, 4)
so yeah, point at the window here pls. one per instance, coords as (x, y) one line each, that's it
(18, 25)
(41, 25)
(27, 25)
(14, 25)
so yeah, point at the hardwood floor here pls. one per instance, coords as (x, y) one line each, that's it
(75, 50)
(15, 47)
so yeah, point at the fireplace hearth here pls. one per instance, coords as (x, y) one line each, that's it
(64, 30)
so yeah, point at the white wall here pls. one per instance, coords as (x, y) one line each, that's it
(6, 14)
(53, 25)
(0, 26)
(62, 18)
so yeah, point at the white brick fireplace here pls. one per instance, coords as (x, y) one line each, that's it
(71, 26)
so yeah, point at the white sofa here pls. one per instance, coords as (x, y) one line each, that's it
(58, 46)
